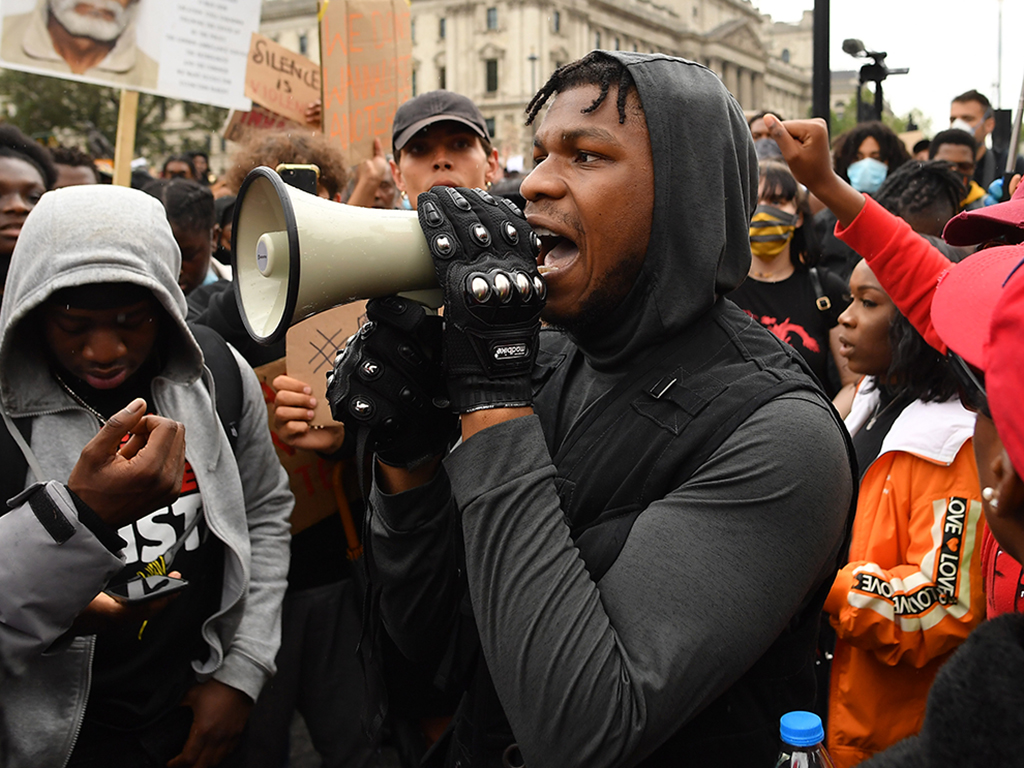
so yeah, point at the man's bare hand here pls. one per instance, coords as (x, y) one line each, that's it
(369, 175)
(124, 483)
(219, 714)
(293, 414)
(314, 114)
(805, 147)
(105, 613)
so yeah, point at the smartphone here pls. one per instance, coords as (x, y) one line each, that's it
(304, 177)
(146, 588)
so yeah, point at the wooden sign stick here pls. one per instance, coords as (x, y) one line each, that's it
(125, 146)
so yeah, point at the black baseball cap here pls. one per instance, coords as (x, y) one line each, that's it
(434, 107)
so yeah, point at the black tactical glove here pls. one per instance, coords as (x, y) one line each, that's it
(485, 256)
(388, 381)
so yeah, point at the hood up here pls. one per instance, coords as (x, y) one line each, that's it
(80, 236)
(705, 191)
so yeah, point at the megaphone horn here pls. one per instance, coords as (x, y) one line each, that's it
(295, 254)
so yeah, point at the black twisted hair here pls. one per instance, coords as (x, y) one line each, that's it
(916, 186)
(596, 68)
(188, 203)
(891, 147)
(14, 143)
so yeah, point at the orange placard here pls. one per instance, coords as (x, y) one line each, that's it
(366, 52)
(284, 82)
(241, 125)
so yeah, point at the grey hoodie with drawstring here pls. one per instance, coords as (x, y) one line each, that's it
(84, 235)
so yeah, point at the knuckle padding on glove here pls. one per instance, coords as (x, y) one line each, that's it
(493, 291)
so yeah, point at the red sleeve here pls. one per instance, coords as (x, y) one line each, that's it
(906, 264)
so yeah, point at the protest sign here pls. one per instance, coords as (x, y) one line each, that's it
(193, 50)
(312, 344)
(280, 80)
(366, 52)
(240, 125)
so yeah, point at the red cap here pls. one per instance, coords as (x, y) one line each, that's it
(1004, 369)
(966, 296)
(989, 223)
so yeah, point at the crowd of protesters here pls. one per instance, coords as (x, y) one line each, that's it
(720, 421)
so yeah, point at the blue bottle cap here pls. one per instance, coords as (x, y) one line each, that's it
(801, 729)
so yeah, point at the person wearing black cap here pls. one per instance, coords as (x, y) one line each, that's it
(440, 139)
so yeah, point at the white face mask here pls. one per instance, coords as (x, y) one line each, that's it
(96, 27)
(963, 125)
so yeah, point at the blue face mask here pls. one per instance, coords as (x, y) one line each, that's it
(867, 175)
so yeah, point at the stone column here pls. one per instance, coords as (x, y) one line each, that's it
(746, 88)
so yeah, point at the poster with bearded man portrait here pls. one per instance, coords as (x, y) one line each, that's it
(185, 49)
(93, 39)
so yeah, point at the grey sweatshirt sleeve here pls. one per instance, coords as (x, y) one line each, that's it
(249, 659)
(601, 674)
(51, 567)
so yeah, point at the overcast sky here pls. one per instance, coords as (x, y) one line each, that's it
(950, 46)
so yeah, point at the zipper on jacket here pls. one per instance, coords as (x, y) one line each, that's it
(81, 717)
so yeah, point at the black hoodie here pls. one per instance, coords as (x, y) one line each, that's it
(602, 672)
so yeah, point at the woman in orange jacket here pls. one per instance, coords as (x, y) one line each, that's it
(912, 589)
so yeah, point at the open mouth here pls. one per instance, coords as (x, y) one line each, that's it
(556, 251)
(845, 347)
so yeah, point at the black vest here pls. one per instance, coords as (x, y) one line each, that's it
(639, 442)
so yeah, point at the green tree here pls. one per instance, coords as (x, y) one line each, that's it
(42, 106)
(898, 124)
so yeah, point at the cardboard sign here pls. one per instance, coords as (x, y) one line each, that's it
(312, 345)
(309, 475)
(194, 50)
(366, 51)
(284, 82)
(241, 125)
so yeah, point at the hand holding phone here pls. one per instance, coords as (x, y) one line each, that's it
(144, 589)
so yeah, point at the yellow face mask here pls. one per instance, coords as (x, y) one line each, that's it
(771, 229)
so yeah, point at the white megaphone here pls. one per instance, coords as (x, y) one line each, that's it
(296, 254)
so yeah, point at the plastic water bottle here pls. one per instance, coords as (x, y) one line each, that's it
(802, 737)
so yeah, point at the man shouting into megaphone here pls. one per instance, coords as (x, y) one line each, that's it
(606, 563)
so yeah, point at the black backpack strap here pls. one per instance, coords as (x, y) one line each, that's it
(226, 376)
(15, 466)
(821, 299)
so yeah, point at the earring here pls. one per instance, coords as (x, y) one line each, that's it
(991, 495)
(404, 195)
(489, 184)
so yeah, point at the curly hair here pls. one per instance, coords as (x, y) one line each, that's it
(778, 185)
(596, 68)
(916, 186)
(14, 143)
(893, 152)
(272, 149)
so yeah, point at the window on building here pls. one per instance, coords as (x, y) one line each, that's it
(414, 90)
(597, 39)
(492, 75)
(616, 43)
(442, 78)
(489, 122)
(556, 21)
(492, 18)
(440, 28)
(304, 44)
(635, 49)
(412, 29)
(785, 55)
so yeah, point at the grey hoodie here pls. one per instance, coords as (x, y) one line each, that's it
(602, 673)
(83, 235)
